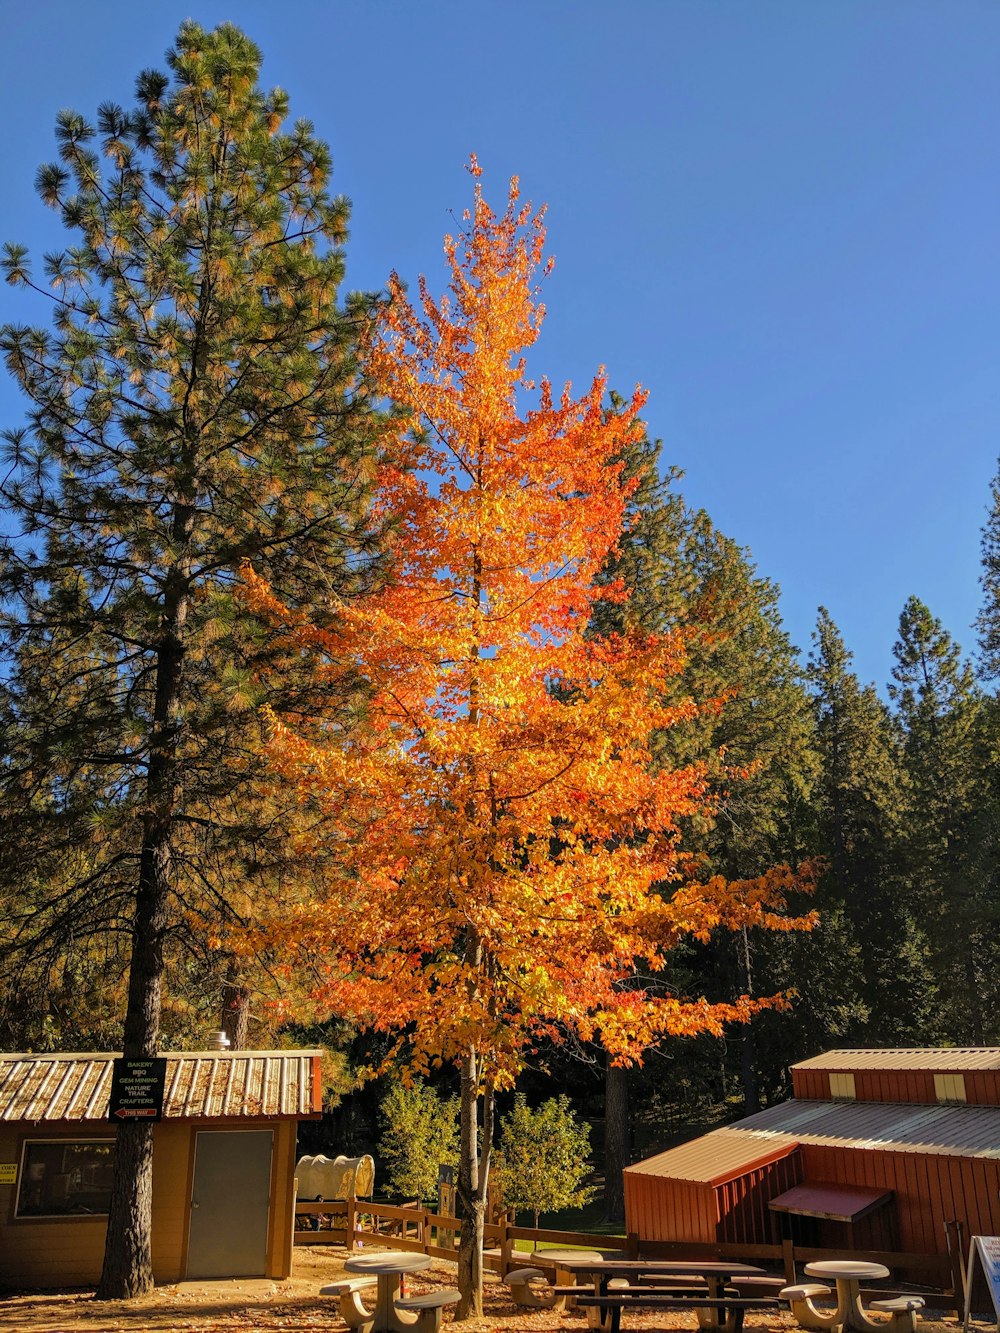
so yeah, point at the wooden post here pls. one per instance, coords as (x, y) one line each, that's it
(632, 1245)
(788, 1259)
(506, 1246)
(956, 1261)
(351, 1222)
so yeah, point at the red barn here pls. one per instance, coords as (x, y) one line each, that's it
(877, 1150)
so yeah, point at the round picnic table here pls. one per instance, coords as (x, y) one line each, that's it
(389, 1268)
(848, 1275)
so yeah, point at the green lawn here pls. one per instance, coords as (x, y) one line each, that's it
(589, 1219)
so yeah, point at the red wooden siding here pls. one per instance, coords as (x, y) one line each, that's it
(982, 1087)
(661, 1208)
(930, 1188)
(894, 1083)
(813, 1084)
(741, 1204)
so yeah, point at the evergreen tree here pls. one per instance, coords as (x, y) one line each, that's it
(940, 716)
(196, 404)
(860, 801)
(988, 620)
(751, 726)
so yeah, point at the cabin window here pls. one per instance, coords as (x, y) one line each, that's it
(65, 1178)
(842, 1085)
(949, 1087)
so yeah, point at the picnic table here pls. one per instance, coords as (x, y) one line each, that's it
(848, 1274)
(562, 1261)
(611, 1286)
(393, 1312)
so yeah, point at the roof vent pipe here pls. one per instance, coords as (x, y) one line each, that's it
(218, 1041)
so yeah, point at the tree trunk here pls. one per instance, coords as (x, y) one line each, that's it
(235, 1009)
(128, 1269)
(748, 1064)
(128, 1265)
(473, 1177)
(617, 1136)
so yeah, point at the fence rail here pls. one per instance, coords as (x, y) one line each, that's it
(356, 1222)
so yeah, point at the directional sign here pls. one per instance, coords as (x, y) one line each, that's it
(987, 1249)
(137, 1089)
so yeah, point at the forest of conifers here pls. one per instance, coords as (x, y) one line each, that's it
(199, 403)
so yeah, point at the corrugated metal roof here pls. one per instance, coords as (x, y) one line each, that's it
(955, 1130)
(931, 1059)
(715, 1157)
(199, 1085)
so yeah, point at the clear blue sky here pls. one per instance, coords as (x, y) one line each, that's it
(781, 217)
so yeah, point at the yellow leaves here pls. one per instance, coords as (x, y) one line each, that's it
(502, 850)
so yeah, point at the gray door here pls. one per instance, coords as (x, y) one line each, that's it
(230, 1203)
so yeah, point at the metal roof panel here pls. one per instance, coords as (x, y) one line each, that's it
(926, 1059)
(715, 1157)
(953, 1129)
(199, 1085)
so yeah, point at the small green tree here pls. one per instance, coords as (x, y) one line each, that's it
(544, 1157)
(420, 1134)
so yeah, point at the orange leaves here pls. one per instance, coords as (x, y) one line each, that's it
(502, 848)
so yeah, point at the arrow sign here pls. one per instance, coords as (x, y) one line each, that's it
(137, 1088)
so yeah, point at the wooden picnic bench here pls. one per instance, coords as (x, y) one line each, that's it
(722, 1310)
(711, 1288)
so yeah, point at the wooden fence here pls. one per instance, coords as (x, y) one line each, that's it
(410, 1227)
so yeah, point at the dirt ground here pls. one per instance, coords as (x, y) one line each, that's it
(270, 1307)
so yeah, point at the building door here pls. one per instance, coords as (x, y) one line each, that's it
(230, 1203)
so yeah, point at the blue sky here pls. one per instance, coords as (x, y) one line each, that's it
(780, 217)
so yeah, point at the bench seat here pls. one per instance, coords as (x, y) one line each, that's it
(347, 1291)
(524, 1292)
(805, 1291)
(902, 1311)
(708, 1308)
(428, 1307)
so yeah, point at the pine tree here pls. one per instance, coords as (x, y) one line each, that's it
(860, 799)
(988, 620)
(939, 714)
(196, 403)
(751, 727)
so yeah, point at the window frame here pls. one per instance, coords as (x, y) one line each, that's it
(62, 1141)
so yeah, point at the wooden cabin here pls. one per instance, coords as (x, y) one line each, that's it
(223, 1164)
(878, 1149)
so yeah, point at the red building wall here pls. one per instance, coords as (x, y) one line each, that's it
(930, 1189)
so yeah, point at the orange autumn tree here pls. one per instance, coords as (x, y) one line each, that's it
(507, 848)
